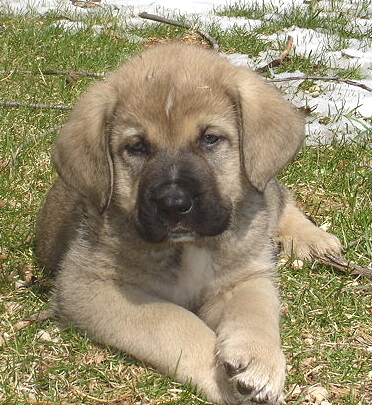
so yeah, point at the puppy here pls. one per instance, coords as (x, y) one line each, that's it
(161, 227)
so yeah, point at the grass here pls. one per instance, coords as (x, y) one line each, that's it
(326, 313)
(338, 24)
(318, 15)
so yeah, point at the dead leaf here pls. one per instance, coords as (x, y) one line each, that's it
(306, 110)
(308, 361)
(71, 77)
(339, 391)
(96, 358)
(86, 4)
(317, 395)
(27, 274)
(45, 336)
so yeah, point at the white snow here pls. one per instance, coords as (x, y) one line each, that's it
(340, 109)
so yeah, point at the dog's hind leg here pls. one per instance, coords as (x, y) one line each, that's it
(300, 237)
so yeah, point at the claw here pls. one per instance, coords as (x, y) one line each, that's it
(245, 389)
(232, 369)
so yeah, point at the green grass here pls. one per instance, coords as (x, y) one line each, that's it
(326, 313)
(326, 325)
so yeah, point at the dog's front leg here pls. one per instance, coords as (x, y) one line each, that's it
(165, 335)
(248, 341)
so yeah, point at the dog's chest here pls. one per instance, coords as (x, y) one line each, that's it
(195, 276)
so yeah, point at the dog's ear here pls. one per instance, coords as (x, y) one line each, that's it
(81, 152)
(271, 131)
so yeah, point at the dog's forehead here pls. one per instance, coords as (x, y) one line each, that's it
(174, 105)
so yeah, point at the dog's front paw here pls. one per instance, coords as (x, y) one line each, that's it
(256, 372)
(309, 243)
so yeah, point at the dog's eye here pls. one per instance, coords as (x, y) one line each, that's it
(137, 148)
(210, 140)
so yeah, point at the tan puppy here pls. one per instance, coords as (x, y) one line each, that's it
(161, 227)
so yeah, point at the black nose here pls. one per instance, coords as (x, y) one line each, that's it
(174, 201)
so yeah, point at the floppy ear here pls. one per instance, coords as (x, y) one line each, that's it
(81, 152)
(271, 130)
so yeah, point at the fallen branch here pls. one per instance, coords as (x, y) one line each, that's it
(53, 72)
(355, 242)
(331, 78)
(176, 23)
(341, 263)
(41, 402)
(31, 105)
(279, 60)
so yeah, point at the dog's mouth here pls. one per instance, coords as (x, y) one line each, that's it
(180, 234)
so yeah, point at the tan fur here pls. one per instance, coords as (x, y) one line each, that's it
(190, 290)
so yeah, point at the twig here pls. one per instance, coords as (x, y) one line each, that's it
(102, 401)
(355, 242)
(278, 61)
(14, 157)
(31, 105)
(52, 72)
(157, 18)
(336, 79)
(38, 317)
(341, 263)
(18, 245)
(37, 402)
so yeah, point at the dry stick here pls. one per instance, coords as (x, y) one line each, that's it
(103, 401)
(341, 263)
(22, 145)
(31, 105)
(336, 79)
(52, 72)
(278, 61)
(355, 242)
(157, 18)
(38, 317)
(41, 402)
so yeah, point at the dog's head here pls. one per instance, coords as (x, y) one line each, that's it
(175, 137)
